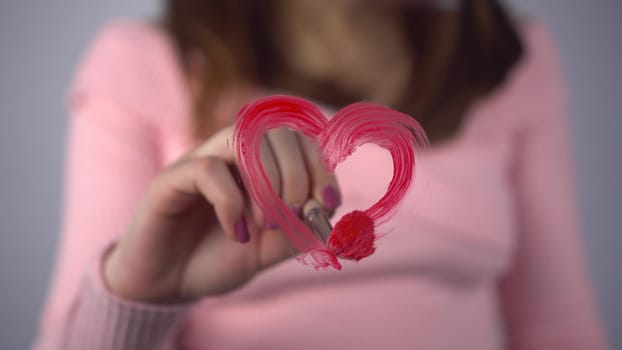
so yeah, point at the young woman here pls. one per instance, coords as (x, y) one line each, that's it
(161, 248)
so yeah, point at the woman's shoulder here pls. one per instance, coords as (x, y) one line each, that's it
(533, 89)
(539, 46)
(541, 51)
(540, 81)
(133, 63)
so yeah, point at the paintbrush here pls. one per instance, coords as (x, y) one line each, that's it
(317, 218)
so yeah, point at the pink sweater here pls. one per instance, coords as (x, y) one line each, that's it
(484, 253)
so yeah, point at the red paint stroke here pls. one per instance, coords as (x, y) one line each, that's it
(354, 234)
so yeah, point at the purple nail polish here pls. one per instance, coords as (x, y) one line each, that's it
(296, 210)
(331, 197)
(270, 225)
(241, 231)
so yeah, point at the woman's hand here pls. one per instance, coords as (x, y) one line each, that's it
(197, 234)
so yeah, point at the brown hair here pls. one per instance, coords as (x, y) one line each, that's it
(462, 55)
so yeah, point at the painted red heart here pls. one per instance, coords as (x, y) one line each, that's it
(357, 124)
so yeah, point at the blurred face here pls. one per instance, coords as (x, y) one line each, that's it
(359, 44)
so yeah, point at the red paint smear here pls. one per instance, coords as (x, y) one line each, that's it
(357, 124)
(353, 236)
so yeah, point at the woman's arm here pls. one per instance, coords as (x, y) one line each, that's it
(111, 161)
(112, 157)
(546, 296)
(193, 235)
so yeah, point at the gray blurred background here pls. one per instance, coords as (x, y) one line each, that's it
(41, 42)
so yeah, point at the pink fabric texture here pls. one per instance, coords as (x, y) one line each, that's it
(484, 252)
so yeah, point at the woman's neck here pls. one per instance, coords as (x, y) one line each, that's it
(361, 48)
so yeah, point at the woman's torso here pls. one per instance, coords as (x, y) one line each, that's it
(431, 283)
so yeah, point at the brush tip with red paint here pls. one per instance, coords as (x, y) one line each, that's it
(353, 236)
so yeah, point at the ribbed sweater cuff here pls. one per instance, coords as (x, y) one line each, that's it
(104, 321)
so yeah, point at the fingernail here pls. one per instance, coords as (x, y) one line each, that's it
(241, 231)
(270, 225)
(331, 197)
(296, 210)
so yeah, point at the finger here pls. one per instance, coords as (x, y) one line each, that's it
(274, 247)
(219, 144)
(325, 188)
(293, 172)
(211, 178)
(271, 169)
